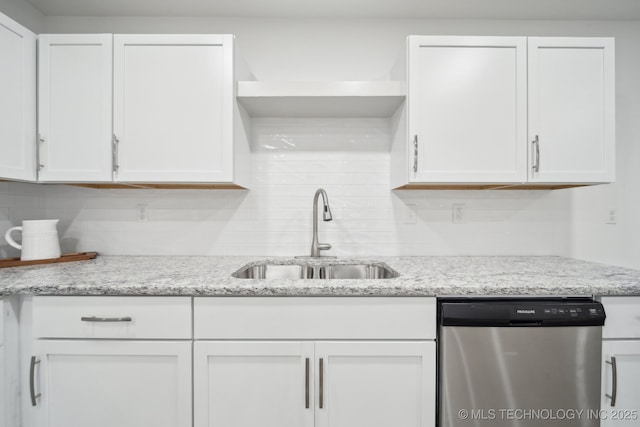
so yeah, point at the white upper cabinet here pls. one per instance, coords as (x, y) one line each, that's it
(571, 109)
(467, 109)
(74, 106)
(502, 111)
(140, 109)
(173, 108)
(17, 101)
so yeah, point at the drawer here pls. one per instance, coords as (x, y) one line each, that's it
(623, 317)
(112, 317)
(314, 318)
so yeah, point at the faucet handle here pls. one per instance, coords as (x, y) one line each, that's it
(324, 246)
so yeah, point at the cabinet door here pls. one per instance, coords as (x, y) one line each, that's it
(3, 387)
(17, 101)
(375, 384)
(467, 109)
(625, 357)
(173, 100)
(3, 381)
(247, 384)
(113, 383)
(74, 107)
(571, 110)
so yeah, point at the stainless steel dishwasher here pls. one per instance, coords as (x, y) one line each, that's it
(519, 362)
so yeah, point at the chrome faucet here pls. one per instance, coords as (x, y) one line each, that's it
(316, 247)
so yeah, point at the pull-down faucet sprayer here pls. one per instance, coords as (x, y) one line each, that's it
(316, 247)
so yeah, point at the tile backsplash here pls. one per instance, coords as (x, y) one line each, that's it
(292, 158)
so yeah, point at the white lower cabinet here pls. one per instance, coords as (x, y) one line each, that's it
(113, 383)
(2, 367)
(10, 414)
(110, 361)
(336, 362)
(141, 362)
(238, 384)
(3, 414)
(306, 384)
(620, 402)
(375, 384)
(620, 383)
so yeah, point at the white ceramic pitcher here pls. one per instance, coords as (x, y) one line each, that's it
(39, 239)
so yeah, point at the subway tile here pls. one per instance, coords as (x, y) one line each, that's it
(275, 216)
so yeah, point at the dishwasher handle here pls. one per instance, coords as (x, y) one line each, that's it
(525, 323)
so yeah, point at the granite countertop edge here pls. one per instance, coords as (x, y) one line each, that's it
(419, 276)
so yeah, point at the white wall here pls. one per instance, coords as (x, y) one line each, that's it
(18, 201)
(591, 238)
(24, 13)
(274, 218)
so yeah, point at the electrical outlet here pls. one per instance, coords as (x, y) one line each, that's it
(411, 216)
(459, 213)
(141, 213)
(611, 216)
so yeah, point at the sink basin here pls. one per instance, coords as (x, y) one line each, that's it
(315, 271)
(275, 271)
(357, 271)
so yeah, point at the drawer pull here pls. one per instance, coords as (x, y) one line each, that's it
(105, 319)
(32, 386)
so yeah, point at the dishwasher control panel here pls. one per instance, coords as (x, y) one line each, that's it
(521, 312)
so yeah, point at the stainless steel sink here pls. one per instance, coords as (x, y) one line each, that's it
(315, 271)
(357, 271)
(275, 271)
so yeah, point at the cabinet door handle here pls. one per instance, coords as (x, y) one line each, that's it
(536, 143)
(614, 381)
(116, 144)
(415, 153)
(306, 383)
(39, 157)
(105, 319)
(32, 386)
(321, 388)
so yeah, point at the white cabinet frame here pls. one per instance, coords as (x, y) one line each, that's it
(17, 101)
(471, 122)
(391, 376)
(148, 151)
(453, 117)
(75, 107)
(91, 353)
(620, 381)
(571, 110)
(269, 401)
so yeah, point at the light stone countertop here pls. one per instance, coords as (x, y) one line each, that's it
(419, 276)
